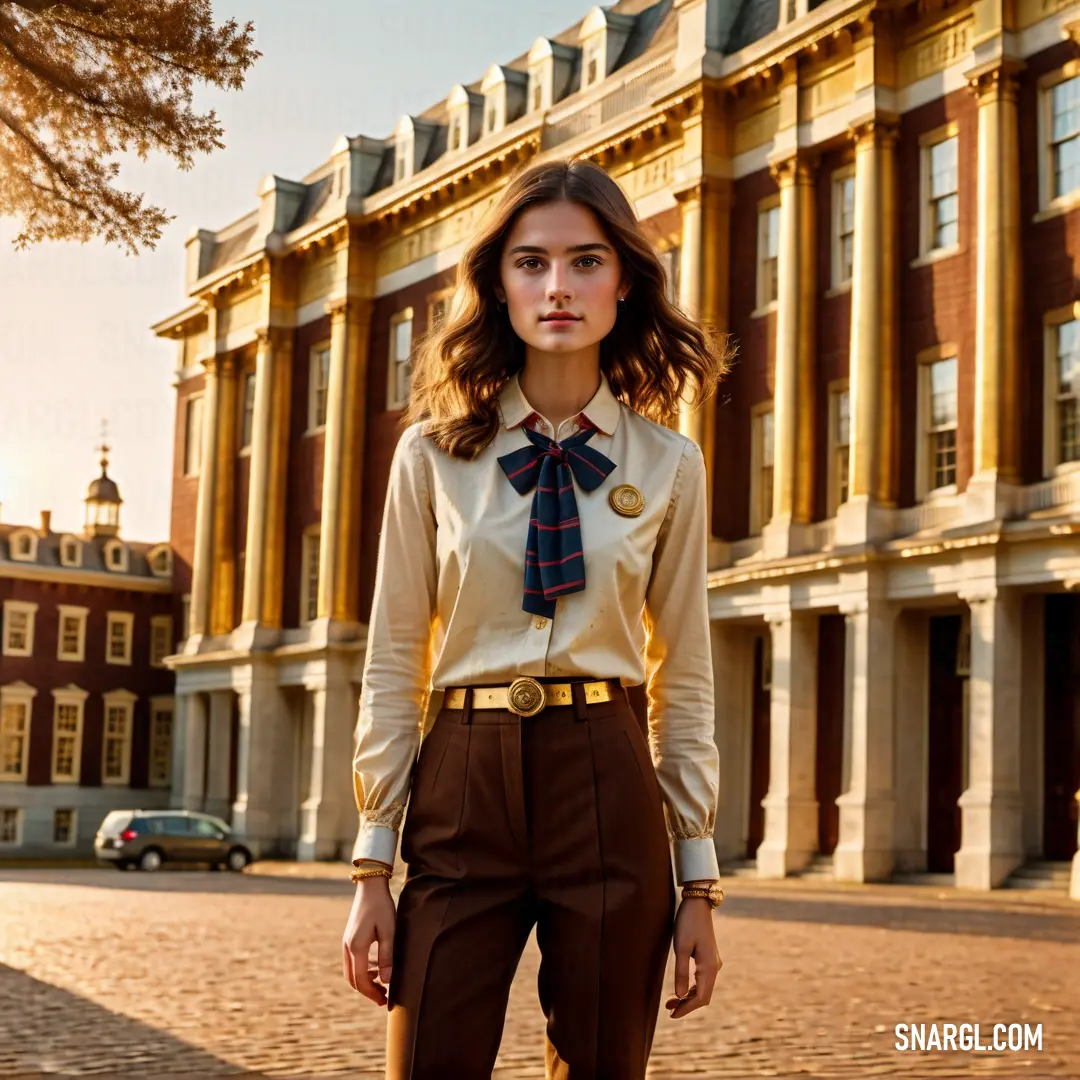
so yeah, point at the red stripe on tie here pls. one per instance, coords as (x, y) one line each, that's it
(547, 489)
(559, 562)
(563, 587)
(589, 463)
(569, 487)
(571, 523)
(518, 472)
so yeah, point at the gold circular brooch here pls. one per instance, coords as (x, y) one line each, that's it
(627, 500)
(526, 696)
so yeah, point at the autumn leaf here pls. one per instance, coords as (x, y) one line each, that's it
(82, 81)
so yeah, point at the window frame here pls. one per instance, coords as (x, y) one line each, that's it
(18, 693)
(927, 142)
(17, 842)
(309, 594)
(160, 706)
(15, 539)
(193, 448)
(834, 484)
(74, 837)
(154, 553)
(765, 207)
(1052, 321)
(247, 412)
(68, 695)
(121, 699)
(393, 404)
(757, 464)
(593, 50)
(107, 555)
(840, 177)
(317, 349)
(73, 563)
(116, 618)
(20, 607)
(158, 622)
(1049, 203)
(71, 611)
(445, 296)
(925, 360)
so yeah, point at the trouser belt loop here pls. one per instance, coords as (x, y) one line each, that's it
(466, 709)
(577, 692)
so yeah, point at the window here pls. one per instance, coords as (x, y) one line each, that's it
(318, 382)
(1062, 422)
(492, 118)
(761, 459)
(118, 633)
(247, 418)
(1065, 137)
(19, 628)
(16, 703)
(439, 308)
(843, 255)
(116, 745)
(71, 637)
(64, 831)
(593, 52)
(309, 584)
(160, 560)
(942, 198)
(161, 639)
(456, 142)
(10, 820)
(401, 158)
(23, 546)
(839, 446)
(116, 556)
(537, 96)
(70, 552)
(193, 428)
(161, 742)
(936, 456)
(768, 279)
(400, 358)
(68, 711)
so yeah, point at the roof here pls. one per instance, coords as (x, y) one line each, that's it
(93, 554)
(756, 18)
(103, 489)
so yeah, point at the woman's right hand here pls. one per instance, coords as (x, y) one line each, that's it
(371, 923)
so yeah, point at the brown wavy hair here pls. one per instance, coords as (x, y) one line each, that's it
(650, 357)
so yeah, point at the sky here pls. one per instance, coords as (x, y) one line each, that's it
(75, 340)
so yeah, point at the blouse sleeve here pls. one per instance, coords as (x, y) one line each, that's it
(396, 669)
(679, 673)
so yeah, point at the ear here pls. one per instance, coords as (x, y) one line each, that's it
(624, 288)
(500, 294)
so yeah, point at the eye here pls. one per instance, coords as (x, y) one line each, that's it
(591, 259)
(525, 263)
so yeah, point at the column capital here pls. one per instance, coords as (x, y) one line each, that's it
(995, 81)
(796, 168)
(227, 364)
(877, 130)
(978, 595)
(211, 364)
(275, 337)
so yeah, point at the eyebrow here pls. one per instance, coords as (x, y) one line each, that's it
(526, 249)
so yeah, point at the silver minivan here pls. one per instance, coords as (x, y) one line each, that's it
(149, 838)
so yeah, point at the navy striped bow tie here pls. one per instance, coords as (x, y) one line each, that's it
(554, 564)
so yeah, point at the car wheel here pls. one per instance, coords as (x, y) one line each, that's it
(150, 860)
(238, 859)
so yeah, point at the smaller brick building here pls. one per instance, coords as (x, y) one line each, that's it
(86, 703)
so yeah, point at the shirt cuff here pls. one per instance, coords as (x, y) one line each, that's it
(695, 860)
(376, 842)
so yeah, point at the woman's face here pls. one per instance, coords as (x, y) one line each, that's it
(560, 278)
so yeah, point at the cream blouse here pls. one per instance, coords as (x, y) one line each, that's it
(447, 609)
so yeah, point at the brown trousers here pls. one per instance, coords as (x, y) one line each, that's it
(555, 821)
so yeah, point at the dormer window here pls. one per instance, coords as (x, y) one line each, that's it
(160, 560)
(463, 109)
(592, 62)
(551, 68)
(24, 546)
(537, 96)
(70, 551)
(492, 118)
(455, 141)
(401, 163)
(603, 36)
(116, 557)
(505, 93)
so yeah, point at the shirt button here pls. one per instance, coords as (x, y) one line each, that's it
(541, 623)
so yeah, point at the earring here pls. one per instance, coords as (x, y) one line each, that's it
(500, 306)
(622, 303)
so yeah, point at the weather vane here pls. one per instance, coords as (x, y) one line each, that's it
(103, 448)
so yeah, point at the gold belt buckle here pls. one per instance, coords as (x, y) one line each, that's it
(526, 696)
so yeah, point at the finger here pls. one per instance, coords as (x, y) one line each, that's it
(681, 1006)
(682, 972)
(362, 980)
(386, 954)
(705, 979)
(346, 965)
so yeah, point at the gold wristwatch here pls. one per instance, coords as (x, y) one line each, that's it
(711, 892)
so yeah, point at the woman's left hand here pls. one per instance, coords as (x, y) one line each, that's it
(695, 938)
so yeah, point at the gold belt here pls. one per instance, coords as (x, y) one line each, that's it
(526, 696)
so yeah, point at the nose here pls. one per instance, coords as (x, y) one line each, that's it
(558, 285)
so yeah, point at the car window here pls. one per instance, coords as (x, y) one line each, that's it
(175, 825)
(154, 825)
(116, 821)
(205, 828)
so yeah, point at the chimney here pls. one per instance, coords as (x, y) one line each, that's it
(46, 522)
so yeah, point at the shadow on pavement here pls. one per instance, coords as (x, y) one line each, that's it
(1043, 926)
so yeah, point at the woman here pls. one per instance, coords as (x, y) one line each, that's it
(543, 548)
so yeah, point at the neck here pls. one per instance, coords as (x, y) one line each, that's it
(560, 385)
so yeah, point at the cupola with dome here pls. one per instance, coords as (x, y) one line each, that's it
(103, 502)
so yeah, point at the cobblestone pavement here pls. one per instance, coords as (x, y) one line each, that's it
(192, 973)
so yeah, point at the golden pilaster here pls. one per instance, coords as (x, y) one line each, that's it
(203, 560)
(347, 578)
(224, 573)
(803, 502)
(277, 481)
(997, 297)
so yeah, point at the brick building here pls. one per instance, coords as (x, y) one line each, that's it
(86, 701)
(878, 200)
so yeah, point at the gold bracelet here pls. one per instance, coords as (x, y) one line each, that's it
(359, 875)
(713, 893)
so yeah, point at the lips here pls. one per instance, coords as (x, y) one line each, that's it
(561, 317)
